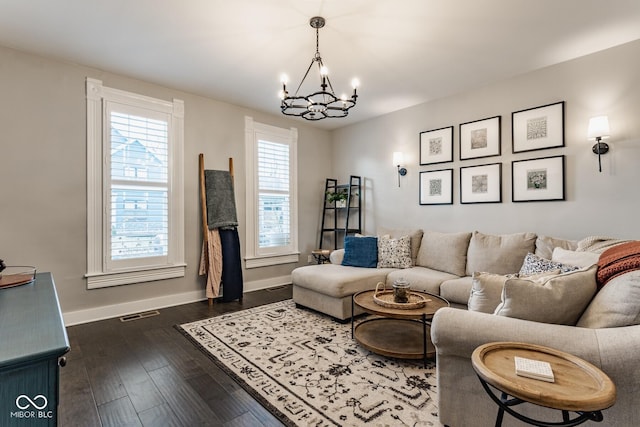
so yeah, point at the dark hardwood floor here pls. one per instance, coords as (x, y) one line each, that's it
(146, 373)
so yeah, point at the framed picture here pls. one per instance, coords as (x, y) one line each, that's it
(538, 180)
(538, 128)
(480, 138)
(436, 187)
(481, 184)
(436, 146)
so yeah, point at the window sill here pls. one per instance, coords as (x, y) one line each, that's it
(266, 261)
(105, 280)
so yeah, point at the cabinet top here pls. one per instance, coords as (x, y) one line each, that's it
(31, 325)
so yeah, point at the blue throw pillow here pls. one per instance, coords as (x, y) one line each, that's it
(360, 251)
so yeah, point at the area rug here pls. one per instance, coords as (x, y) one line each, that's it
(308, 371)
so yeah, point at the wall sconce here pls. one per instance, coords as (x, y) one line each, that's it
(397, 161)
(599, 130)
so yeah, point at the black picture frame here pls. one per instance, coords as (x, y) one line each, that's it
(436, 146)
(480, 138)
(538, 128)
(436, 187)
(481, 184)
(538, 180)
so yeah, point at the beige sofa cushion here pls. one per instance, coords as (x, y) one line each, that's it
(444, 251)
(616, 304)
(338, 280)
(420, 278)
(456, 290)
(558, 299)
(499, 254)
(415, 236)
(545, 245)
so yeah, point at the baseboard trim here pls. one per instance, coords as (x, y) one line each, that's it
(116, 310)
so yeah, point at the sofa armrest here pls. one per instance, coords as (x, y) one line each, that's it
(458, 332)
(336, 256)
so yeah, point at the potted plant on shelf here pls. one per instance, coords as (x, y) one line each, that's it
(339, 197)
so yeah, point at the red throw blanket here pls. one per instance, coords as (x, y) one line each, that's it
(618, 260)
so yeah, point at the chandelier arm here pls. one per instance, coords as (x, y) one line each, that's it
(305, 76)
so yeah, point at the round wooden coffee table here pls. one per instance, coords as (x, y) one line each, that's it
(398, 333)
(579, 387)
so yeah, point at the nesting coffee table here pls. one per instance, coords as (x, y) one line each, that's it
(398, 333)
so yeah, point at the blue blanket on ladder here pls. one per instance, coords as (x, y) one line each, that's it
(232, 283)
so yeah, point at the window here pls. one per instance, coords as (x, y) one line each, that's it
(272, 211)
(134, 187)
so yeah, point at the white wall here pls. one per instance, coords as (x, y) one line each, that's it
(43, 180)
(606, 203)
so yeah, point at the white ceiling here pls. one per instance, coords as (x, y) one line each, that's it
(404, 52)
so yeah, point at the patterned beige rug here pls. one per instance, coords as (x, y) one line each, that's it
(308, 371)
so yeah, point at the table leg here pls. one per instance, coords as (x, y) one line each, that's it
(504, 404)
(352, 310)
(500, 416)
(424, 339)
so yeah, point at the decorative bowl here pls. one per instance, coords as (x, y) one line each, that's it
(16, 275)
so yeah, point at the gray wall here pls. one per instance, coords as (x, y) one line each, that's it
(43, 166)
(43, 178)
(606, 203)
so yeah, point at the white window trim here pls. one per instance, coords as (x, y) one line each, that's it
(253, 257)
(97, 274)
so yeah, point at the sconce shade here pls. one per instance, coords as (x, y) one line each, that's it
(598, 128)
(398, 158)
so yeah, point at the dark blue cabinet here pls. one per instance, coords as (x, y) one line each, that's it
(32, 341)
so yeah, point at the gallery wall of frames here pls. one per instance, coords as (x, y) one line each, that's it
(535, 177)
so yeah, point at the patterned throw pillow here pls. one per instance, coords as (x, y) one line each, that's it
(533, 264)
(394, 253)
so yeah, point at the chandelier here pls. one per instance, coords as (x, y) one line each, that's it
(323, 103)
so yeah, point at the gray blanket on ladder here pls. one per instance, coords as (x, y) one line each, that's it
(221, 201)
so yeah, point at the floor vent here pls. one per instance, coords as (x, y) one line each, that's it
(277, 288)
(136, 316)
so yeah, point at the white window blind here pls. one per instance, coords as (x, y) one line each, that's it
(274, 203)
(139, 178)
(135, 200)
(272, 225)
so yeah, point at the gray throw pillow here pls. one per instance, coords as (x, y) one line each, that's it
(444, 251)
(559, 299)
(486, 289)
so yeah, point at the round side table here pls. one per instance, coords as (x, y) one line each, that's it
(580, 390)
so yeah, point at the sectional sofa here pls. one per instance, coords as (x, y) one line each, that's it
(480, 275)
